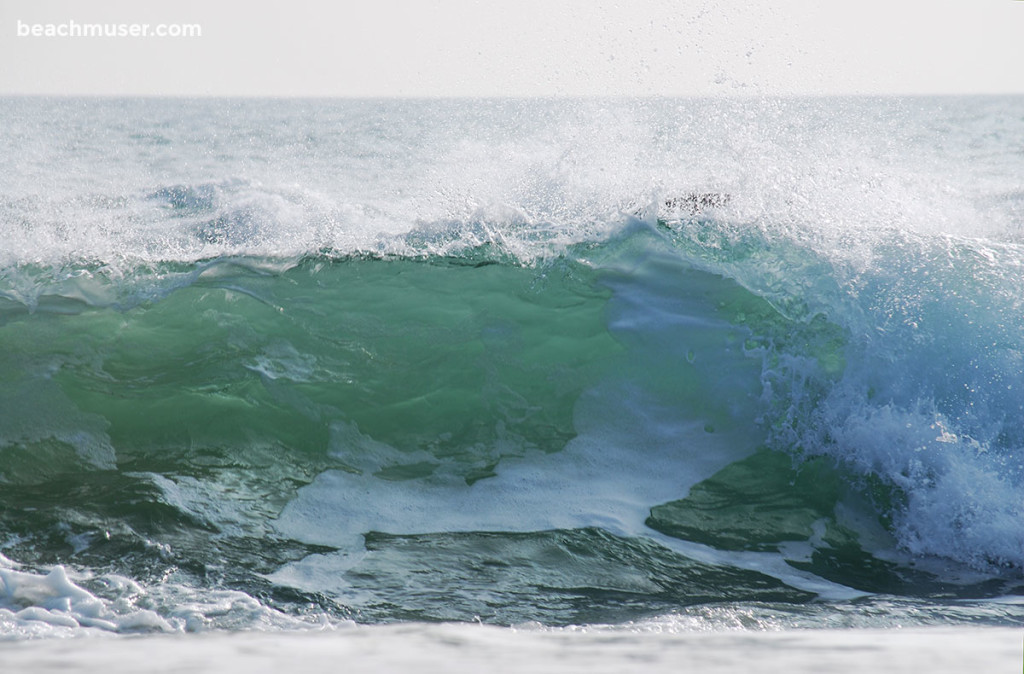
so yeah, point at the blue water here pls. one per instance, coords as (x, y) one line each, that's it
(279, 364)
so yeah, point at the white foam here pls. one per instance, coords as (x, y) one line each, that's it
(960, 501)
(53, 604)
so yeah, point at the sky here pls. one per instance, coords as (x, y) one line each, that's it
(516, 48)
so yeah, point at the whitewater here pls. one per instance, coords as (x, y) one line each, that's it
(512, 380)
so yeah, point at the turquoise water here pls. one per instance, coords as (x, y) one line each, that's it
(281, 364)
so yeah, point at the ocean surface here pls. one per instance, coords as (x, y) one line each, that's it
(671, 366)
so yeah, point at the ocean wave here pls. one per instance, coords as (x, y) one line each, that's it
(447, 371)
(425, 369)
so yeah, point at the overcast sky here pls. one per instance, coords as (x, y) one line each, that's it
(522, 47)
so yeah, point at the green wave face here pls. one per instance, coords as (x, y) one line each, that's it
(251, 383)
(435, 357)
